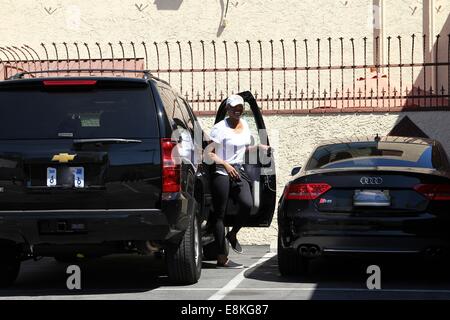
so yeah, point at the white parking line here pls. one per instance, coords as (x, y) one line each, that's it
(309, 289)
(230, 286)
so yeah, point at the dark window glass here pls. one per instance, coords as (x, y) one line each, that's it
(178, 117)
(370, 154)
(172, 108)
(103, 113)
(186, 115)
(168, 101)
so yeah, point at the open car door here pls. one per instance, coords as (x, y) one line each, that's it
(259, 167)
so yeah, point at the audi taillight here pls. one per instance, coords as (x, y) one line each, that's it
(170, 167)
(434, 191)
(305, 191)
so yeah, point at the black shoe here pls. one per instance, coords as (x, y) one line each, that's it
(234, 244)
(229, 265)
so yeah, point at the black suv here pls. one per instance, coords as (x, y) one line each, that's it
(91, 166)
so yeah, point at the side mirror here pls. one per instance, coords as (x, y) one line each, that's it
(295, 170)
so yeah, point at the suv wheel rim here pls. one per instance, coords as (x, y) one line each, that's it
(196, 242)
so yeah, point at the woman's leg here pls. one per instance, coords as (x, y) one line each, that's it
(220, 191)
(242, 193)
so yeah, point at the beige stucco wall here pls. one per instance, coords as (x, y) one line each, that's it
(109, 20)
(36, 21)
(33, 21)
(296, 136)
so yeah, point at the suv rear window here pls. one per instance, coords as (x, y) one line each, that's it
(370, 154)
(30, 113)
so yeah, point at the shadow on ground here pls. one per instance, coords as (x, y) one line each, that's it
(396, 272)
(107, 275)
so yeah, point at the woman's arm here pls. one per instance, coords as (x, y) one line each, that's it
(258, 147)
(232, 172)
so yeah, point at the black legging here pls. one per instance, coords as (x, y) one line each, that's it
(222, 188)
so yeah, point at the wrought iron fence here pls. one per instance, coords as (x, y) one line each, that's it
(331, 75)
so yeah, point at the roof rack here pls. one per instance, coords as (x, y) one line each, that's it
(20, 75)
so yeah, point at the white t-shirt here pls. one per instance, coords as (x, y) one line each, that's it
(231, 145)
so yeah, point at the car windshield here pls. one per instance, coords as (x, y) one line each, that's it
(372, 154)
(31, 113)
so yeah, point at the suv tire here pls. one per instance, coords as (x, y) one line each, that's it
(290, 262)
(184, 263)
(9, 267)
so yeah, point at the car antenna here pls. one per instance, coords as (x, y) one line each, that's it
(377, 138)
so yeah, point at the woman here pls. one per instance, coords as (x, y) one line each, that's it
(231, 138)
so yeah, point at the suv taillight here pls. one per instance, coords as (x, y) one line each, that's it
(434, 191)
(65, 83)
(170, 169)
(305, 191)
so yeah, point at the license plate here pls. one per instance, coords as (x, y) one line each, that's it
(78, 177)
(72, 176)
(372, 198)
(51, 177)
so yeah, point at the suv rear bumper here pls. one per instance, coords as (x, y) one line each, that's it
(84, 226)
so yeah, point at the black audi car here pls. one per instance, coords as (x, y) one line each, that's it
(374, 195)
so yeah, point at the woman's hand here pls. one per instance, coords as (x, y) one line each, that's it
(232, 172)
(265, 148)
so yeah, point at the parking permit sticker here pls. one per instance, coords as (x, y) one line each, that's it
(78, 177)
(51, 177)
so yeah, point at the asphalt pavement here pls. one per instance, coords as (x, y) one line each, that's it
(143, 277)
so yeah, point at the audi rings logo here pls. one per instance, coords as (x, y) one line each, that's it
(371, 180)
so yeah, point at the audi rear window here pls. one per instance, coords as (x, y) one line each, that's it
(35, 113)
(370, 154)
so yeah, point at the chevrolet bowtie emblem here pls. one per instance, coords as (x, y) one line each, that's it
(63, 157)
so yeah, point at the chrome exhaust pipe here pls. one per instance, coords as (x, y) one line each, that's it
(145, 247)
(309, 251)
(313, 251)
(152, 247)
(303, 250)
